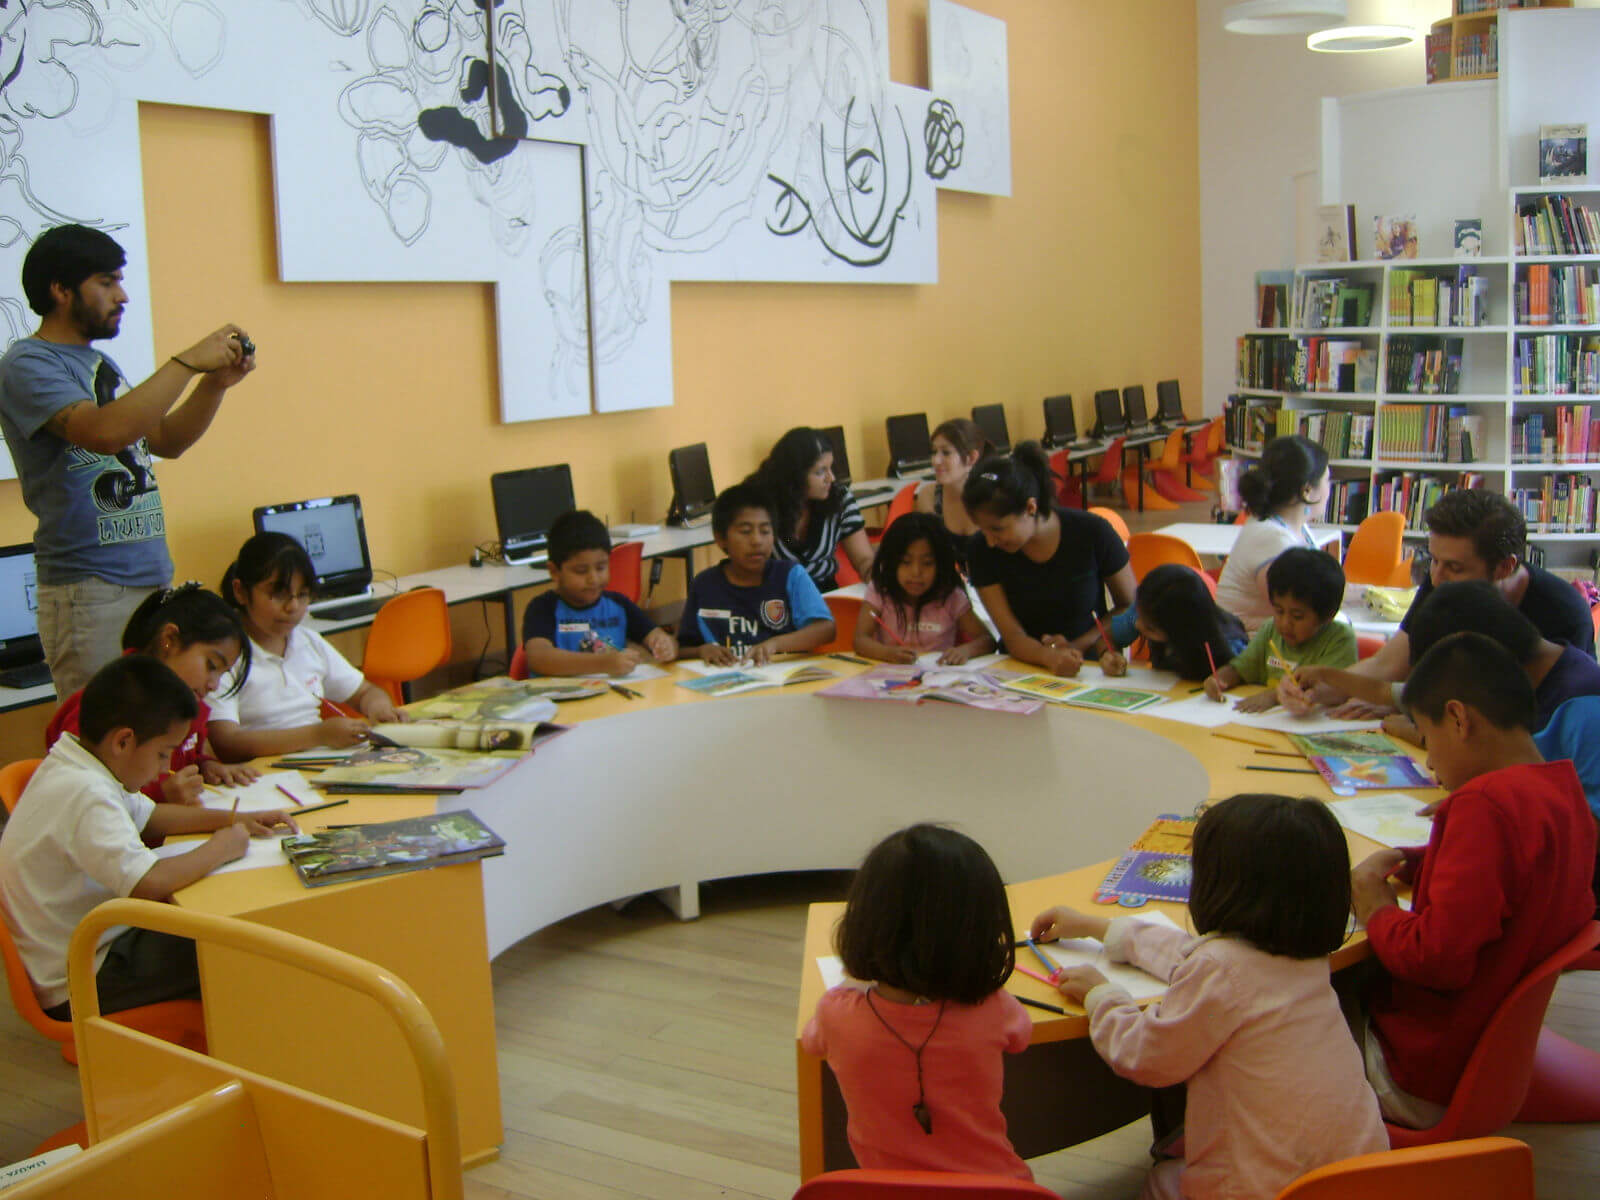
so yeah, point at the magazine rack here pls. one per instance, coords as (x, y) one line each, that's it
(164, 1121)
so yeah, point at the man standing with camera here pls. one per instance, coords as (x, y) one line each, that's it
(82, 452)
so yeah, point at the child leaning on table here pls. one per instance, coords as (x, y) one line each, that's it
(915, 601)
(915, 1036)
(580, 626)
(81, 831)
(1306, 588)
(1174, 612)
(751, 605)
(1250, 1021)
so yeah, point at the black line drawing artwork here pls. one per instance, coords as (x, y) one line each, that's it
(943, 137)
(967, 69)
(522, 91)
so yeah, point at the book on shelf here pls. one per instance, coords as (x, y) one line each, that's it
(1394, 237)
(1436, 55)
(1476, 53)
(1467, 237)
(1556, 364)
(1347, 502)
(1272, 298)
(1425, 297)
(1249, 421)
(1559, 504)
(1555, 224)
(1336, 233)
(1564, 434)
(1429, 433)
(1422, 364)
(390, 848)
(1342, 434)
(1331, 303)
(1557, 295)
(1412, 495)
(1563, 153)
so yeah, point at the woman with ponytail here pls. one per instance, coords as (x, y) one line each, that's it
(1281, 494)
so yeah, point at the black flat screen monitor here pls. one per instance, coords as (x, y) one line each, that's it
(1060, 423)
(1108, 418)
(19, 607)
(526, 504)
(1134, 409)
(335, 536)
(991, 418)
(841, 458)
(910, 448)
(692, 490)
(1169, 404)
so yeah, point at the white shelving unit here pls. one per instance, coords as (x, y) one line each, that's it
(1488, 373)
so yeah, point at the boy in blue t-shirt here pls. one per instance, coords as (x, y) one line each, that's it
(750, 606)
(580, 628)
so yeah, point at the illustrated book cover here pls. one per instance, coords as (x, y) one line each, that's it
(382, 769)
(1356, 741)
(1563, 153)
(1114, 699)
(1336, 232)
(503, 699)
(952, 685)
(730, 681)
(1347, 774)
(1394, 237)
(1158, 866)
(389, 848)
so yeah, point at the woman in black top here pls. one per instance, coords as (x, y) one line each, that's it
(811, 514)
(1042, 571)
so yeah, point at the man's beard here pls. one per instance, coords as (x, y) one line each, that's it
(93, 326)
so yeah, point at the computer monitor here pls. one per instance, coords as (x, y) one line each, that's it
(991, 418)
(841, 458)
(1134, 409)
(910, 447)
(526, 504)
(19, 607)
(1060, 423)
(693, 493)
(1108, 418)
(335, 536)
(1169, 405)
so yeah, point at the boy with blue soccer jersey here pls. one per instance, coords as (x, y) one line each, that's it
(579, 627)
(751, 605)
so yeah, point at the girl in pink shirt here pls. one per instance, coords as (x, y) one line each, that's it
(917, 1049)
(1250, 1022)
(915, 600)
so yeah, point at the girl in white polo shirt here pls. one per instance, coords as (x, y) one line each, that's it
(293, 670)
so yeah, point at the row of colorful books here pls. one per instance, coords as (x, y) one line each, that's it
(1413, 495)
(1331, 304)
(1429, 433)
(1342, 434)
(1249, 421)
(1417, 297)
(1560, 504)
(1556, 364)
(1556, 224)
(1557, 295)
(1564, 434)
(1347, 502)
(1476, 54)
(1265, 362)
(1422, 365)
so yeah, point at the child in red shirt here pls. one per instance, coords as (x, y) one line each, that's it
(1501, 885)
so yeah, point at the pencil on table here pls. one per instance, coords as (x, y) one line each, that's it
(1234, 737)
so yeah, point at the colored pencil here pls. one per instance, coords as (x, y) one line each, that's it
(237, 796)
(1282, 753)
(877, 617)
(851, 658)
(1283, 770)
(1049, 967)
(1055, 1008)
(625, 692)
(298, 803)
(1234, 737)
(1035, 975)
(1105, 634)
(311, 808)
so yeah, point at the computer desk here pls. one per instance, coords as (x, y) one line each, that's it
(1079, 459)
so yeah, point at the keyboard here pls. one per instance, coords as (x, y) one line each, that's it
(26, 676)
(364, 607)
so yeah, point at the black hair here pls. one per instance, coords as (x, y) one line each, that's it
(197, 615)
(782, 475)
(964, 436)
(269, 557)
(1472, 606)
(1476, 671)
(730, 502)
(927, 913)
(1288, 466)
(1174, 599)
(134, 692)
(1002, 484)
(1311, 577)
(574, 532)
(898, 538)
(1494, 524)
(1274, 870)
(67, 254)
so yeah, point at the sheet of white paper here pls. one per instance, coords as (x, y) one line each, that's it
(642, 672)
(1143, 678)
(832, 968)
(1087, 952)
(976, 663)
(264, 795)
(777, 670)
(1389, 818)
(262, 852)
(321, 752)
(1205, 712)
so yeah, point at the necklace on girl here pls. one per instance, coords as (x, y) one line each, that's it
(919, 1110)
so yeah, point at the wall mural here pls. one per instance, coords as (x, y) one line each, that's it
(579, 154)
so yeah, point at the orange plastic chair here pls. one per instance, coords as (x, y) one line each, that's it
(1110, 469)
(846, 612)
(1069, 491)
(13, 778)
(627, 570)
(1375, 549)
(1402, 572)
(918, 1185)
(846, 574)
(410, 637)
(519, 664)
(1164, 472)
(1368, 644)
(904, 501)
(1147, 551)
(1205, 445)
(1492, 1168)
(1499, 1075)
(1114, 519)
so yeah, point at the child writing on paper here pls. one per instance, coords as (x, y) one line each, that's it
(579, 627)
(1503, 882)
(278, 709)
(201, 638)
(82, 831)
(1174, 612)
(750, 605)
(915, 601)
(1250, 1021)
(915, 1036)
(1307, 587)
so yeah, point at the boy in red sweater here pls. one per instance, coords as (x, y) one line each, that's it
(1501, 885)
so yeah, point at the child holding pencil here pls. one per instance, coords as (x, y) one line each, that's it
(1186, 630)
(915, 600)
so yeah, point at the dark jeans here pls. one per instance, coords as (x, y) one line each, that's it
(142, 967)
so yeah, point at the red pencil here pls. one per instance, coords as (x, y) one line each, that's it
(1105, 634)
(1210, 659)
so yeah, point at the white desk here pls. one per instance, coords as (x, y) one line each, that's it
(12, 699)
(1208, 538)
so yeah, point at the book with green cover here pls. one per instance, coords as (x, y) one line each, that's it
(503, 699)
(389, 848)
(384, 769)
(1356, 741)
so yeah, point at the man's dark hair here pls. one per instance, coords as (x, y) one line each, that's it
(1494, 524)
(574, 532)
(1477, 672)
(1273, 870)
(1472, 606)
(732, 501)
(67, 254)
(1311, 577)
(135, 692)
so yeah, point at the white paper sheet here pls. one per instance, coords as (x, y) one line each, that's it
(1388, 818)
(262, 852)
(1088, 952)
(641, 673)
(265, 794)
(975, 663)
(1205, 712)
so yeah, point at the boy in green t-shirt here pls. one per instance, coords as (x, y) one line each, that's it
(1306, 588)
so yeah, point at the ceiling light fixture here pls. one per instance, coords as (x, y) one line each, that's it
(1283, 16)
(1358, 39)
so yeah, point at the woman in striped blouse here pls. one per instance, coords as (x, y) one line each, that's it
(813, 516)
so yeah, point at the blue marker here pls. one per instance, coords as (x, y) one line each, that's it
(1050, 968)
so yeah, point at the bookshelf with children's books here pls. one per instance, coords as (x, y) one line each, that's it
(1465, 45)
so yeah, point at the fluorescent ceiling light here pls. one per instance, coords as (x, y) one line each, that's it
(1355, 39)
(1283, 16)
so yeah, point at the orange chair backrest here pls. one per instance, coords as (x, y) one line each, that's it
(1375, 549)
(1491, 1168)
(1147, 551)
(1114, 518)
(1171, 453)
(1214, 436)
(627, 570)
(410, 637)
(13, 778)
(845, 572)
(904, 501)
(1111, 464)
(22, 997)
(519, 664)
(846, 612)
(918, 1185)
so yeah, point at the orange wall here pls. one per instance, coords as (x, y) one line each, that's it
(1086, 277)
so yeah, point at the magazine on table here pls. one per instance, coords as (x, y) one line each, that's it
(389, 847)
(914, 684)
